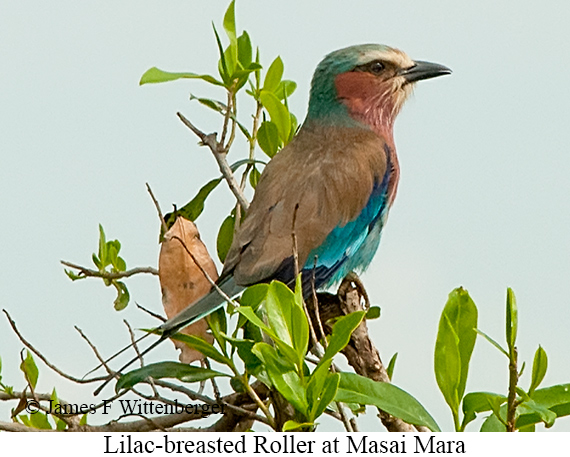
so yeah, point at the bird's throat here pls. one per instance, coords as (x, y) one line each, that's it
(369, 101)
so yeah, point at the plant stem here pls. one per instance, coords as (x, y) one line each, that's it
(512, 397)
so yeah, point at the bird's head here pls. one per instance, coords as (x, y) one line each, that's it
(366, 84)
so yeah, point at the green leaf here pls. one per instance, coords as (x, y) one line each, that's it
(225, 237)
(154, 75)
(230, 28)
(181, 371)
(123, 296)
(493, 424)
(290, 355)
(477, 402)
(373, 313)
(278, 112)
(283, 377)
(532, 407)
(200, 345)
(103, 247)
(244, 349)
(391, 366)
(53, 397)
(354, 388)
(218, 324)
(512, 320)
(222, 64)
(316, 383)
(299, 322)
(97, 262)
(274, 75)
(194, 207)
(268, 138)
(244, 50)
(254, 175)
(340, 335)
(254, 295)
(60, 425)
(539, 366)
(292, 426)
(71, 275)
(293, 129)
(278, 305)
(447, 362)
(328, 394)
(40, 421)
(287, 318)
(555, 398)
(285, 89)
(528, 428)
(83, 420)
(258, 72)
(462, 314)
(120, 264)
(215, 105)
(30, 369)
(269, 356)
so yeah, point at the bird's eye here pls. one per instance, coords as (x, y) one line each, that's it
(376, 67)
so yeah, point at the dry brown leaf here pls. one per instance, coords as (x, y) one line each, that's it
(182, 282)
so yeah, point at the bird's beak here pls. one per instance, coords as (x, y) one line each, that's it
(423, 70)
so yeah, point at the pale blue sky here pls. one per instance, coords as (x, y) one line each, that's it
(483, 202)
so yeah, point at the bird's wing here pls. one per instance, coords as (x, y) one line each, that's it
(324, 178)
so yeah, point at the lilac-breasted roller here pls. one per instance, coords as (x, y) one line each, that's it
(338, 179)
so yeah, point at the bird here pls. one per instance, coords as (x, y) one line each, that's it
(332, 185)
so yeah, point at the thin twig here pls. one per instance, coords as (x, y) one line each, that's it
(134, 342)
(156, 204)
(354, 425)
(43, 358)
(205, 273)
(316, 303)
(87, 272)
(215, 387)
(96, 352)
(253, 394)
(217, 150)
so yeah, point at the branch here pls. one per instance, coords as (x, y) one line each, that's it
(158, 210)
(258, 387)
(110, 275)
(220, 156)
(17, 427)
(360, 352)
(512, 397)
(44, 359)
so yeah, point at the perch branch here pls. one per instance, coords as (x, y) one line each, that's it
(220, 156)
